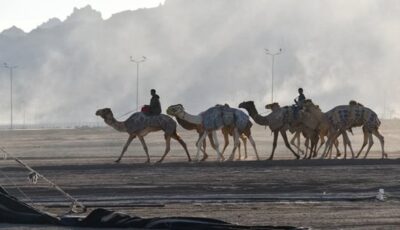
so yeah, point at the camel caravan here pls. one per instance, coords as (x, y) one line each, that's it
(321, 130)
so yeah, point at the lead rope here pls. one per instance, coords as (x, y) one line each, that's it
(127, 113)
(16, 187)
(76, 206)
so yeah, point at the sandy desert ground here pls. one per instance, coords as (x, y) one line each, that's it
(320, 194)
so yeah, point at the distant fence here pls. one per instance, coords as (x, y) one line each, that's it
(90, 124)
(60, 125)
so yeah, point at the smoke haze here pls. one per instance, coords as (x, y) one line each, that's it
(201, 53)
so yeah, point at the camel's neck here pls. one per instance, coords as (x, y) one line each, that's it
(320, 116)
(117, 125)
(194, 119)
(185, 124)
(257, 117)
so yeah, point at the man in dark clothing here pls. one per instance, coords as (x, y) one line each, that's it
(155, 105)
(300, 99)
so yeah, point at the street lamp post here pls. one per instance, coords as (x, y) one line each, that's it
(137, 61)
(272, 70)
(11, 68)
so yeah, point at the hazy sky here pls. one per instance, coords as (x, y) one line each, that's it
(200, 53)
(28, 14)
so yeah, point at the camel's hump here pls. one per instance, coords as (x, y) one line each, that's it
(139, 121)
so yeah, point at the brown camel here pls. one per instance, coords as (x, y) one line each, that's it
(139, 125)
(325, 127)
(298, 122)
(274, 120)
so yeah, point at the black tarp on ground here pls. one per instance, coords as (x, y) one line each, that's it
(16, 212)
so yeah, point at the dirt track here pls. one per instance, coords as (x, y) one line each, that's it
(314, 193)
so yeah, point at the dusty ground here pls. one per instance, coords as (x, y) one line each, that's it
(321, 194)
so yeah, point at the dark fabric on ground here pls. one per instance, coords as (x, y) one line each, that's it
(102, 218)
(16, 212)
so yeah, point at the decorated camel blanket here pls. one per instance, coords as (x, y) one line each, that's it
(287, 115)
(139, 121)
(346, 116)
(219, 116)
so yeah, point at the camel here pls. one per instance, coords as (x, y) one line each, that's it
(139, 125)
(299, 123)
(213, 119)
(327, 127)
(344, 117)
(368, 119)
(274, 120)
(226, 132)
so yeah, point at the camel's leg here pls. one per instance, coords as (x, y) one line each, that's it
(336, 143)
(179, 139)
(236, 143)
(344, 145)
(328, 145)
(244, 140)
(322, 138)
(350, 147)
(365, 141)
(205, 155)
(240, 154)
(274, 144)
(215, 138)
(128, 142)
(253, 143)
(382, 141)
(308, 140)
(283, 133)
(323, 155)
(348, 142)
(295, 137)
(335, 139)
(145, 148)
(298, 144)
(306, 144)
(199, 142)
(293, 141)
(167, 147)
(225, 133)
(370, 144)
(314, 144)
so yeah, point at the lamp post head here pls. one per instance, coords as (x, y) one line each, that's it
(273, 54)
(138, 61)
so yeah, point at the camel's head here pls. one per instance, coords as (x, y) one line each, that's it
(354, 103)
(176, 110)
(250, 107)
(247, 105)
(226, 105)
(309, 106)
(273, 106)
(307, 103)
(105, 113)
